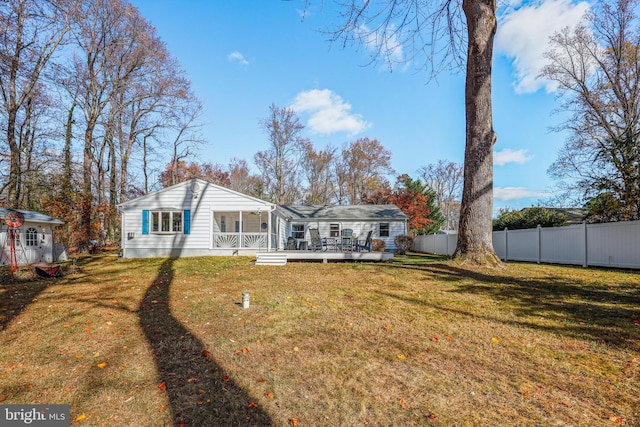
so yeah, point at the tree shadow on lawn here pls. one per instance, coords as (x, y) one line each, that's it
(599, 313)
(16, 295)
(186, 368)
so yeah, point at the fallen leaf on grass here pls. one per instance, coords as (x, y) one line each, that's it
(296, 349)
(615, 419)
(201, 391)
(494, 339)
(403, 403)
(1, 399)
(434, 339)
(80, 417)
(78, 356)
(449, 339)
(293, 422)
(260, 380)
(101, 365)
(226, 378)
(199, 402)
(243, 350)
(568, 405)
(162, 386)
(269, 395)
(252, 405)
(401, 356)
(205, 353)
(162, 408)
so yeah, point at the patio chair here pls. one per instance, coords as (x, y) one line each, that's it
(347, 240)
(367, 243)
(316, 240)
(291, 244)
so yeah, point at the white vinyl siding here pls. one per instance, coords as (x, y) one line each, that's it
(178, 199)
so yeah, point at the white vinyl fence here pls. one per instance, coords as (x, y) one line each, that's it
(614, 244)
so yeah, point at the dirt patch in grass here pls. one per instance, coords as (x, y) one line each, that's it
(418, 341)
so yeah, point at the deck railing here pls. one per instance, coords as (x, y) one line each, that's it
(240, 240)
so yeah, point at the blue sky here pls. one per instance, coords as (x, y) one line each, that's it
(241, 56)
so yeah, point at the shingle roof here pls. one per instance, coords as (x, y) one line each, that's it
(342, 212)
(31, 216)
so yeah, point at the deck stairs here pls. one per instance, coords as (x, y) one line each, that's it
(271, 258)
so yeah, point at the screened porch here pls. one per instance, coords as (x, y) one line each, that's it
(242, 230)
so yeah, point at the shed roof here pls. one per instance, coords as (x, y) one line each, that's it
(342, 212)
(31, 216)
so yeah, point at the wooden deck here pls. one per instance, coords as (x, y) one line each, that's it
(282, 257)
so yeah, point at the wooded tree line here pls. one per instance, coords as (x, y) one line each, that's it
(90, 99)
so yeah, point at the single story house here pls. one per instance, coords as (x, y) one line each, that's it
(196, 218)
(33, 241)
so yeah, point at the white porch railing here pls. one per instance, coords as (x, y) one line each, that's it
(240, 240)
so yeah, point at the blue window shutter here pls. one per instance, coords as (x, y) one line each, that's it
(145, 221)
(187, 221)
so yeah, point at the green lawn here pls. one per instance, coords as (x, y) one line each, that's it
(417, 341)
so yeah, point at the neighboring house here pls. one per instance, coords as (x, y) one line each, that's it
(386, 221)
(196, 218)
(33, 241)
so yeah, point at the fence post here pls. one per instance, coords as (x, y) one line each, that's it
(586, 246)
(506, 244)
(539, 243)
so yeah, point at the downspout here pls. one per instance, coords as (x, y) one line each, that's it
(123, 234)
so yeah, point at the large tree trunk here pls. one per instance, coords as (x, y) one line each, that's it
(87, 194)
(475, 232)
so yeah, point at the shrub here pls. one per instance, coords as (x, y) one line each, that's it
(403, 244)
(528, 218)
(378, 245)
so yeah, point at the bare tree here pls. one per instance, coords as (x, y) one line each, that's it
(318, 174)
(31, 33)
(279, 163)
(242, 180)
(445, 178)
(362, 170)
(437, 31)
(596, 68)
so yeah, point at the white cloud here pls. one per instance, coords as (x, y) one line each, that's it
(523, 35)
(515, 193)
(237, 57)
(385, 42)
(328, 112)
(501, 158)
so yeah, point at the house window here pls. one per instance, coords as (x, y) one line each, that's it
(166, 222)
(384, 229)
(334, 230)
(297, 231)
(31, 237)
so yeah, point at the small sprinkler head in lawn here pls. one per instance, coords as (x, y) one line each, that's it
(245, 300)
